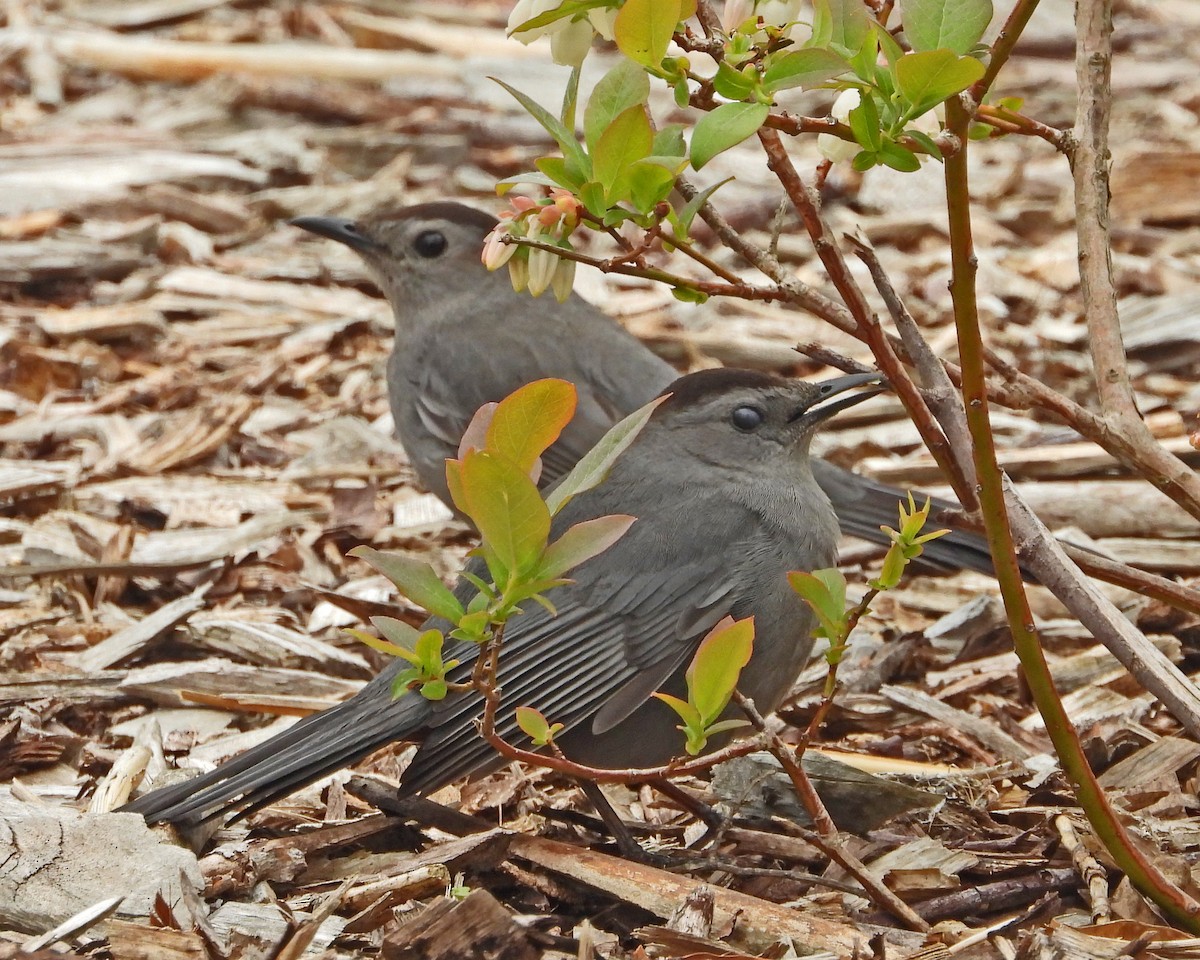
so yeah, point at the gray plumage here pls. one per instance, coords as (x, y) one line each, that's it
(725, 507)
(465, 337)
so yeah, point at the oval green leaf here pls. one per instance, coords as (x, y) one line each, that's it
(945, 24)
(724, 127)
(415, 579)
(507, 510)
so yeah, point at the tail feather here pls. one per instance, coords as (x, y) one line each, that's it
(315, 747)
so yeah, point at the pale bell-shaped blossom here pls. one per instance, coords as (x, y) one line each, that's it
(834, 148)
(776, 13)
(570, 43)
(570, 40)
(526, 10)
(604, 21)
(542, 266)
(496, 253)
(735, 14)
(563, 280)
(518, 273)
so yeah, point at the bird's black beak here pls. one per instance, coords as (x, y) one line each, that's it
(335, 228)
(822, 409)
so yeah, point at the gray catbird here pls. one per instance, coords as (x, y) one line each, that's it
(726, 503)
(464, 337)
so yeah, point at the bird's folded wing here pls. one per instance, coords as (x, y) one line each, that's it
(612, 643)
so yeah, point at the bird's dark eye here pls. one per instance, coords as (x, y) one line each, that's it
(430, 243)
(747, 418)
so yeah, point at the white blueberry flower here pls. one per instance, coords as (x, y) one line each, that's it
(834, 148)
(570, 39)
(542, 266)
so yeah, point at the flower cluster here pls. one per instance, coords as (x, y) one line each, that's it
(549, 221)
(570, 37)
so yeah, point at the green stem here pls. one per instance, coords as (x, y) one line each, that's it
(1091, 798)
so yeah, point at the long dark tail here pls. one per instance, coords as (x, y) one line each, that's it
(318, 745)
(863, 504)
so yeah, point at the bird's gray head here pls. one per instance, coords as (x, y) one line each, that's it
(744, 422)
(417, 255)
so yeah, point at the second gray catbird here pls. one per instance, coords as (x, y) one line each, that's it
(726, 505)
(464, 337)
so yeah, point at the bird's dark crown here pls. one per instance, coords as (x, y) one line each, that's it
(438, 210)
(695, 387)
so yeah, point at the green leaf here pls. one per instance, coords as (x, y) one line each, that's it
(397, 632)
(624, 86)
(840, 24)
(591, 195)
(526, 423)
(594, 465)
(570, 99)
(543, 179)
(688, 295)
(556, 172)
(864, 160)
(507, 510)
(568, 8)
(717, 664)
(825, 592)
(864, 123)
(945, 24)
(669, 142)
(688, 213)
(724, 127)
(383, 646)
(926, 79)
(582, 542)
(925, 141)
(643, 29)
(627, 139)
(651, 182)
(536, 726)
(565, 138)
(731, 83)
(899, 158)
(802, 68)
(416, 580)
(687, 713)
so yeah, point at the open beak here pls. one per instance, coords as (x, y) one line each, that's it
(825, 406)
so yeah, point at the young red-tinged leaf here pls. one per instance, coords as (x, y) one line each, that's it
(526, 422)
(507, 510)
(582, 542)
(475, 436)
(593, 467)
(714, 670)
(383, 646)
(415, 579)
(540, 730)
(643, 29)
(726, 126)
